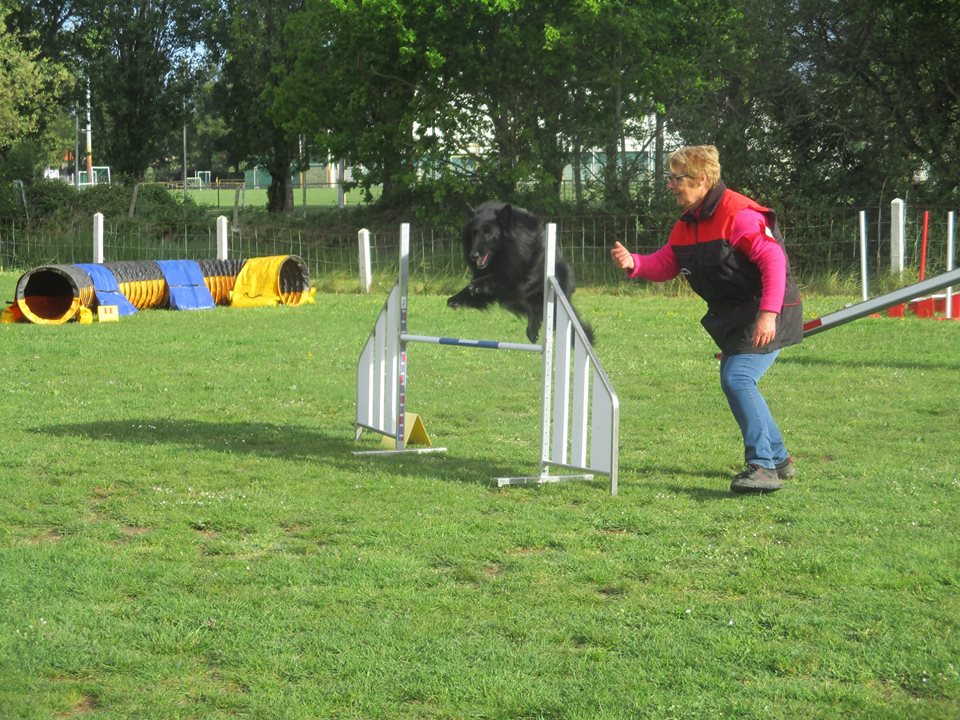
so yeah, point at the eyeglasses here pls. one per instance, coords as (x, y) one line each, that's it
(675, 179)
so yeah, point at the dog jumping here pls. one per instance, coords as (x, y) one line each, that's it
(503, 246)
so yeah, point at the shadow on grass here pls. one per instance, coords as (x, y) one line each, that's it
(704, 490)
(700, 493)
(858, 363)
(292, 442)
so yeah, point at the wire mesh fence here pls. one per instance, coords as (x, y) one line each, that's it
(819, 243)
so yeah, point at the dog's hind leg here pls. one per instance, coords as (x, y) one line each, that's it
(533, 326)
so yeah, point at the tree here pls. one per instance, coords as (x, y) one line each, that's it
(898, 67)
(140, 56)
(28, 85)
(253, 47)
(488, 98)
(42, 26)
(210, 147)
(832, 102)
(360, 84)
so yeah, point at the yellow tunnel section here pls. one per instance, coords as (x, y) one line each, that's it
(54, 293)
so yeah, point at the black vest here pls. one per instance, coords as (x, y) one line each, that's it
(726, 278)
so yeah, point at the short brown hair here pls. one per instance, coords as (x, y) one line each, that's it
(696, 160)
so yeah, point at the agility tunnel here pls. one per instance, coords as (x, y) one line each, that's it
(56, 294)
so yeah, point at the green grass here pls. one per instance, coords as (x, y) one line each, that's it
(226, 196)
(184, 532)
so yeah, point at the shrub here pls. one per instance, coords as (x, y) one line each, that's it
(53, 201)
(156, 202)
(50, 198)
(111, 200)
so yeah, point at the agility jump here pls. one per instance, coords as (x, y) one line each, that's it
(580, 411)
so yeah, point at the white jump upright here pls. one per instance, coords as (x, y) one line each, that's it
(951, 228)
(580, 411)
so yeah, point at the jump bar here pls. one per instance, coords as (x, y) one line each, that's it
(488, 344)
(882, 302)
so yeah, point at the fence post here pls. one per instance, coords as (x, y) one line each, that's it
(897, 233)
(236, 204)
(863, 253)
(364, 241)
(133, 201)
(222, 237)
(98, 237)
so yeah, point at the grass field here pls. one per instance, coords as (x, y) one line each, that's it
(226, 197)
(184, 532)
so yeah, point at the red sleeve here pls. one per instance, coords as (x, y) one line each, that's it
(657, 266)
(753, 238)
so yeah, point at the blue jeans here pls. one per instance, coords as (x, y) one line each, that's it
(739, 374)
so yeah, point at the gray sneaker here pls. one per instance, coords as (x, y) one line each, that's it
(786, 469)
(755, 479)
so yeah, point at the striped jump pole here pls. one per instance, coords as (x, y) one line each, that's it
(580, 411)
(463, 342)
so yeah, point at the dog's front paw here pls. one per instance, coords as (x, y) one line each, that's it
(453, 302)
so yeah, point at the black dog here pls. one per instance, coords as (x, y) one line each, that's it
(503, 246)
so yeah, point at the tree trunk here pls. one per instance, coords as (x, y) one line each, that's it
(577, 162)
(280, 192)
(659, 161)
(553, 164)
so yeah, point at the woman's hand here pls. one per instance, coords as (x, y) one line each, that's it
(766, 328)
(621, 257)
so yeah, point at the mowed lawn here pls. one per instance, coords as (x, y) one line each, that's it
(185, 532)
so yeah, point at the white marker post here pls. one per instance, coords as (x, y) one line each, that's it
(363, 238)
(98, 237)
(863, 254)
(222, 238)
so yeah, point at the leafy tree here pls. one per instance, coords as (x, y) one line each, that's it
(893, 68)
(42, 26)
(485, 97)
(28, 84)
(832, 102)
(254, 52)
(209, 147)
(139, 58)
(358, 85)
(517, 74)
(631, 59)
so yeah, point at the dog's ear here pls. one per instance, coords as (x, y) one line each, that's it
(505, 215)
(471, 213)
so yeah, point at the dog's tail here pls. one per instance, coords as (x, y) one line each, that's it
(587, 327)
(588, 331)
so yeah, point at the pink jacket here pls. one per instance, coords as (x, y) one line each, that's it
(752, 237)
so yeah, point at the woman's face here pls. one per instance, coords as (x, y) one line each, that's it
(687, 189)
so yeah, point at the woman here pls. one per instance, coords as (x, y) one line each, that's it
(730, 250)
